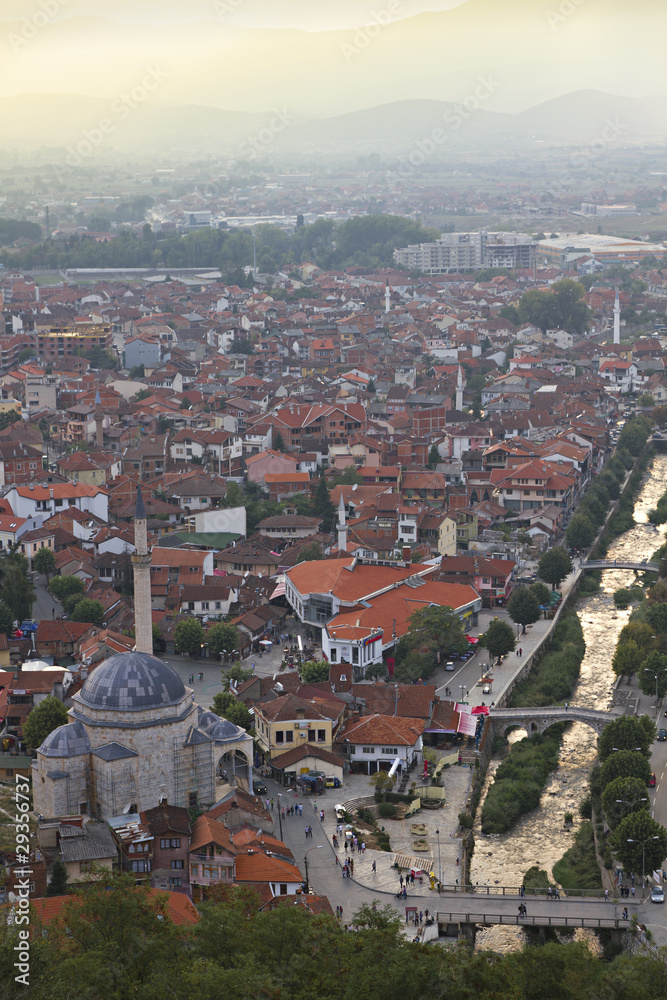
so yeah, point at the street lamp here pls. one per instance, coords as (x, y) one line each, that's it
(462, 689)
(280, 818)
(318, 847)
(632, 803)
(643, 843)
(437, 833)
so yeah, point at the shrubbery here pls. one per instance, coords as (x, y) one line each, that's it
(519, 780)
(553, 679)
(578, 868)
(387, 810)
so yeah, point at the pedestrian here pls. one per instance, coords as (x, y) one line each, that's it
(337, 861)
(272, 803)
(549, 893)
(520, 650)
(566, 706)
(405, 893)
(557, 893)
(400, 879)
(354, 843)
(363, 847)
(345, 845)
(53, 612)
(321, 815)
(606, 895)
(310, 831)
(373, 867)
(633, 892)
(351, 865)
(315, 806)
(421, 916)
(300, 808)
(625, 913)
(633, 880)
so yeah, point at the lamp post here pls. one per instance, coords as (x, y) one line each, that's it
(280, 817)
(632, 804)
(462, 689)
(318, 847)
(437, 833)
(643, 843)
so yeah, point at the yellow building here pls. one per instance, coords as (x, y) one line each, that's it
(291, 721)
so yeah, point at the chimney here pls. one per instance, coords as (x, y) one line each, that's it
(301, 713)
(407, 554)
(51, 494)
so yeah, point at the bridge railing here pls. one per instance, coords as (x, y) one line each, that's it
(557, 920)
(514, 890)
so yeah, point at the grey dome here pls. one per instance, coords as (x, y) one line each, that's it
(206, 719)
(223, 730)
(70, 740)
(132, 682)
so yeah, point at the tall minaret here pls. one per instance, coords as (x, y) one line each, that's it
(387, 297)
(459, 390)
(342, 526)
(141, 561)
(99, 421)
(617, 320)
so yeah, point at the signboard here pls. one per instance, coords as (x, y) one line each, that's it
(373, 638)
(467, 724)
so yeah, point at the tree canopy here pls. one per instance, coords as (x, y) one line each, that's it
(88, 610)
(44, 561)
(314, 671)
(499, 638)
(223, 637)
(624, 733)
(554, 565)
(48, 715)
(188, 635)
(523, 606)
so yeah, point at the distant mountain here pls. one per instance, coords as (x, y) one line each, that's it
(61, 122)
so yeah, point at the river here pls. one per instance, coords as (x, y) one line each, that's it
(540, 838)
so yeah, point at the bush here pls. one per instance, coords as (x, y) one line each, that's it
(536, 881)
(367, 816)
(553, 679)
(387, 810)
(568, 818)
(578, 868)
(519, 781)
(586, 808)
(465, 820)
(623, 597)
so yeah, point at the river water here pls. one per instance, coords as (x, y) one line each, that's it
(540, 838)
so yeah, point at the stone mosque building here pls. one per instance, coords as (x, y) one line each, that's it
(136, 739)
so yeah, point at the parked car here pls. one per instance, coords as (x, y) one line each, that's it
(657, 894)
(449, 665)
(260, 787)
(662, 734)
(651, 780)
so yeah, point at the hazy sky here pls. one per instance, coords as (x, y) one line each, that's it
(327, 57)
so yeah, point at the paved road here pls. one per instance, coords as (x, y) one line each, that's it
(44, 602)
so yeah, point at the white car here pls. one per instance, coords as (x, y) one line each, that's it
(449, 665)
(657, 894)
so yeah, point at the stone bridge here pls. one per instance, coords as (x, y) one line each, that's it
(537, 720)
(641, 567)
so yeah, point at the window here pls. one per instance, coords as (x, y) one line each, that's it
(289, 736)
(280, 736)
(175, 881)
(140, 866)
(311, 735)
(208, 871)
(283, 888)
(177, 863)
(355, 654)
(167, 842)
(321, 735)
(368, 750)
(194, 869)
(192, 799)
(390, 751)
(333, 654)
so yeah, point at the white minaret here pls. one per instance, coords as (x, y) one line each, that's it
(387, 297)
(617, 320)
(342, 526)
(141, 561)
(459, 390)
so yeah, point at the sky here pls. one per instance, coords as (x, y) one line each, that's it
(320, 58)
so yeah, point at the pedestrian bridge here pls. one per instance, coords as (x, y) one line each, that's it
(641, 567)
(537, 720)
(468, 914)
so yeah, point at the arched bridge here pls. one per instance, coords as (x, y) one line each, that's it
(641, 567)
(537, 720)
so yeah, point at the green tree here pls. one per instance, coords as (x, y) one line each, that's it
(433, 457)
(17, 588)
(310, 552)
(653, 675)
(228, 707)
(639, 633)
(656, 616)
(88, 610)
(541, 592)
(323, 506)
(580, 532)
(625, 733)
(625, 764)
(314, 671)
(627, 659)
(48, 715)
(58, 882)
(640, 842)
(6, 618)
(554, 566)
(439, 628)
(279, 442)
(62, 586)
(523, 607)
(159, 645)
(371, 386)
(350, 476)
(622, 797)
(383, 782)
(8, 418)
(44, 561)
(235, 675)
(223, 638)
(499, 638)
(188, 635)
